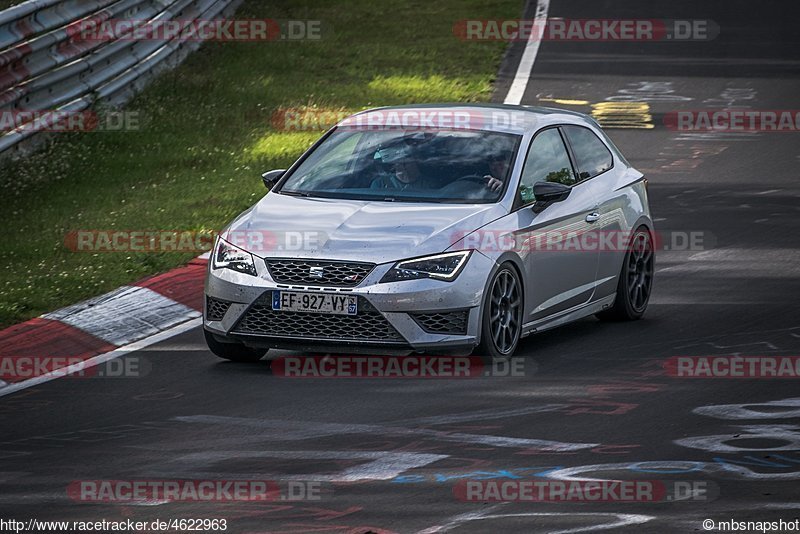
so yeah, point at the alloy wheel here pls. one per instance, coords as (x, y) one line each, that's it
(640, 270)
(504, 312)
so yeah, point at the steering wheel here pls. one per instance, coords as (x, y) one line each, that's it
(460, 187)
(472, 178)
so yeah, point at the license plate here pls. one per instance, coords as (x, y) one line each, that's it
(294, 301)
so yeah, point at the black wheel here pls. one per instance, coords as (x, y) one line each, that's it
(502, 315)
(635, 280)
(236, 352)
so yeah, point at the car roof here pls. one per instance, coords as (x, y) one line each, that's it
(492, 117)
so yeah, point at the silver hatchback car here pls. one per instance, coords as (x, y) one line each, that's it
(434, 229)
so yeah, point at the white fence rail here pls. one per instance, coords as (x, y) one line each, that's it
(46, 67)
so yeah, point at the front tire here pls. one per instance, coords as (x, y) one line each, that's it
(501, 326)
(236, 352)
(635, 280)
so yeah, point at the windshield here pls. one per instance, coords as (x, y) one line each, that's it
(465, 166)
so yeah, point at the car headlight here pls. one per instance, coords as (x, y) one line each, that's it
(439, 267)
(227, 256)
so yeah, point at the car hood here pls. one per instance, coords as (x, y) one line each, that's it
(378, 232)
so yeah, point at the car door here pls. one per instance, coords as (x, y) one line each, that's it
(560, 272)
(597, 169)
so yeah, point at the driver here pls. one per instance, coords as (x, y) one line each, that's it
(404, 171)
(498, 169)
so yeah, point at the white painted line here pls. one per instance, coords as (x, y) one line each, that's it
(458, 520)
(125, 315)
(480, 415)
(525, 67)
(612, 520)
(102, 358)
(281, 429)
(615, 520)
(787, 434)
(379, 465)
(763, 410)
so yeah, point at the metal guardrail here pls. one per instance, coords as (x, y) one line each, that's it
(46, 67)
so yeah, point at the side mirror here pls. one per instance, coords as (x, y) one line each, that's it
(271, 178)
(546, 193)
(550, 191)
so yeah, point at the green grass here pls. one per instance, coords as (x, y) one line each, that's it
(206, 135)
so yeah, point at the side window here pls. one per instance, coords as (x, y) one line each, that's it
(547, 161)
(591, 155)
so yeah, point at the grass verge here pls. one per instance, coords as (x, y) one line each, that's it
(205, 135)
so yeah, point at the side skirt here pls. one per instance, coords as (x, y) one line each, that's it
(567, 316)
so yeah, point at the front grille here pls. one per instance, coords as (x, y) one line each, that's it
(443, 323)
(344, 274)
(216, 309)
(367, 325)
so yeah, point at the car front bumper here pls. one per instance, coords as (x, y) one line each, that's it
(395, 318)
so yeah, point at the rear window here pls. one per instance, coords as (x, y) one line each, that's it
(591, 154)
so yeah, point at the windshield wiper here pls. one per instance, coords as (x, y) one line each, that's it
(294, 193)
(421, 200)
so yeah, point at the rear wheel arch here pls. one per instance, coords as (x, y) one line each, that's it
(623, 309)
(642, 221)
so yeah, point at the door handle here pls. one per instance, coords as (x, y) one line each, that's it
(592, 217)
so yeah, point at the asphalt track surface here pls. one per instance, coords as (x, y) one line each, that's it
(596, 393)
